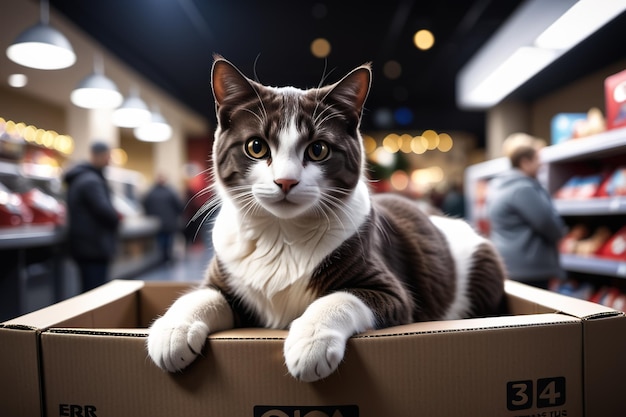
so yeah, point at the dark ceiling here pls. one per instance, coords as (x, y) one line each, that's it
(171, 43)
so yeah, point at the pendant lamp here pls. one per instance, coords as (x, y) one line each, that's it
(156, 130)
(96, 91)
(41, 46)
(133, 112)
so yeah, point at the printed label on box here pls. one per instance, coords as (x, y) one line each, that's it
(304, 411)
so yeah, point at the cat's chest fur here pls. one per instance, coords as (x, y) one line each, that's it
(270, 261)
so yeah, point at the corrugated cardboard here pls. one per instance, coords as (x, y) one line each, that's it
(554, 356)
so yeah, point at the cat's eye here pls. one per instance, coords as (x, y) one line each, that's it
(257, 148)
(317, 151)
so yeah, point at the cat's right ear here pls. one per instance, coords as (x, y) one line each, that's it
(228, 83)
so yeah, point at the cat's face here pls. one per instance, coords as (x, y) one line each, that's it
(285, 151)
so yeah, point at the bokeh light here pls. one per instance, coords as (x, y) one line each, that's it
(424, 39)
(320, 48)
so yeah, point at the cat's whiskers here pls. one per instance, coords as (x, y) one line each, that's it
(328, 113)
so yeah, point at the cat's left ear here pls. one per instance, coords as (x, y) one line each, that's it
(353, 89)
(228, 83)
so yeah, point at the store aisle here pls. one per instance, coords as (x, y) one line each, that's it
(189, 265)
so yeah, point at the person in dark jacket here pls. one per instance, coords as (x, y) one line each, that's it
(163, 202)
(93, 221)
(525, 226)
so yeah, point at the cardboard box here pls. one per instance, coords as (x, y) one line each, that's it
(86, 357)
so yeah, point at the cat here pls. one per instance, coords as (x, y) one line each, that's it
(300, 243)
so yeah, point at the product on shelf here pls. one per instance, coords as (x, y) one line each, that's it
(579, 242)
(575, 235)
(580, 187)
(45, 208)
(563, 124)
(567, 126)
(615, 247)
(615, 183)
(13, 211)
(572, 288)
(615, 99)
(592, 244)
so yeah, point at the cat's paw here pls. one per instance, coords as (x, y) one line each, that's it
(312, 354)
(174, 345)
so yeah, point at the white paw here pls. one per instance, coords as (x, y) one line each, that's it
(174, 345)
(312, 354)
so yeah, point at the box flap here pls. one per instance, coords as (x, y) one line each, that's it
(82, 310)
(559, 303)
(19, 368)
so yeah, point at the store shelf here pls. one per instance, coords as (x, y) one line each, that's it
(591, 207)
(609, 142)
(592, 265)
(140, 226)
(30, 236)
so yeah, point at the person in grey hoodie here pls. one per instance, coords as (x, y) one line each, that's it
(525, 226)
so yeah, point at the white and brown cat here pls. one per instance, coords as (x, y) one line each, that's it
(301, 244)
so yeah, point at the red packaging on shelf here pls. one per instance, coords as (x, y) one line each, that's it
(615, 247)
(615, 99)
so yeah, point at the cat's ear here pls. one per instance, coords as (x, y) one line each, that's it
(228, 83)
(353, 89)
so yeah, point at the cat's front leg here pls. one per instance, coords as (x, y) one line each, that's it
(316, 342)
(176, 338)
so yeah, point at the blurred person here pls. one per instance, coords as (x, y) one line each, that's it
(525, 226)
(162, 202)
(453, 203)
(93, 221)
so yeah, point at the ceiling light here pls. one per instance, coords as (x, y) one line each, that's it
(41, 46)
(522, 65)
(538, 33)
(133, 112)
(156, 130)
(581, 20)
(18, 80)
(96, 91)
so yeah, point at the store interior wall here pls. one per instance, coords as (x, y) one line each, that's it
(23, 108)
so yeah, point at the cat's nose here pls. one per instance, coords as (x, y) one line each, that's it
(286, 184)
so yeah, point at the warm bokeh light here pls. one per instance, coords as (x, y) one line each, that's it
(418, 144)
(320, 48)
(404, 143)
(399, 180)
(427, 176)
(369, 143)
(119, 157)
(382, 157)
(432, 139)
(391, 143)
(46, 138)
(445, 142)
(424, 39)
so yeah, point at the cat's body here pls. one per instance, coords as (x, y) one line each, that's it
(301, 244)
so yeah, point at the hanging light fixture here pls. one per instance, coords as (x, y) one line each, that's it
(96, 91)
(156, 130)
(41, 46)
(133, 112)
